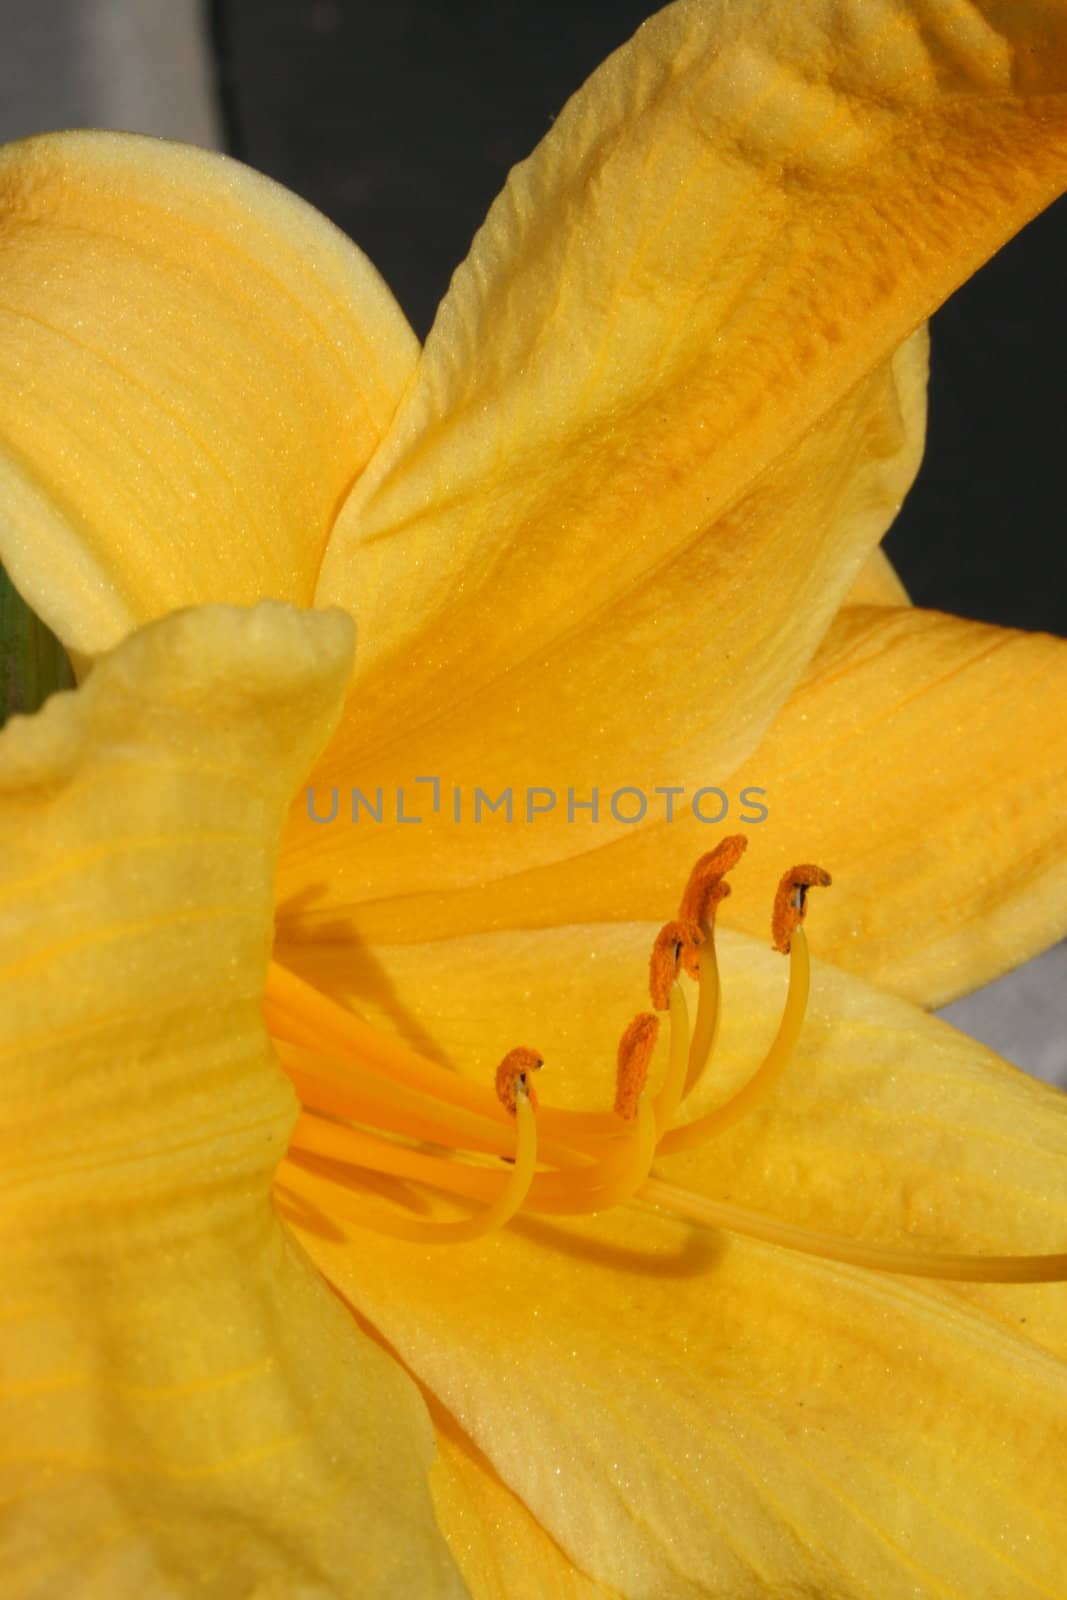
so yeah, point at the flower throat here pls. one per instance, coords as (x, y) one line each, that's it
(373, 1109)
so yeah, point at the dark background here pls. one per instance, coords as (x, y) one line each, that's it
(400, 122)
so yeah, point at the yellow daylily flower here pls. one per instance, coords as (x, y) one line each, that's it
(622, 1405)
(619, 513)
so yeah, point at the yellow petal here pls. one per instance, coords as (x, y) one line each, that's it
(184, 1407)
(736, 222)
(696, 1414)
(923, 760)
(638, 700)
(501, 1550)
(879, 583)
(918, 760)
(194, 367)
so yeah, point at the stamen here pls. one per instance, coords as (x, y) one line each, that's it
(709, 998)
(511, 1083)
(513, 1075)
(791, 902)
(774, 1063)
(704, 892)
(317, 1139)
(331, 1086)
(673, 1086)
(699, 898)
(632, 1062)
(627, 1172)
(676, 945)
(619, 1174)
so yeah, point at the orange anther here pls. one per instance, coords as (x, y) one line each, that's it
(676, 943)
(634, 1056)
(791, 902)
(705, 887)
(514, 1073)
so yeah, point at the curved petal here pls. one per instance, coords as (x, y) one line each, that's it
(638, 698)
(698, 1414)
(733, 224)
(925, 760)
(194, 367)
(878, 584)
(183, 1405)
(922, 759)
(501, 1550)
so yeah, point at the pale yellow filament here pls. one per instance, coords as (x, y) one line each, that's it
(497, 1214)
(315, 1137)
(326, 1084)
(706, 1213)
(766, 1076)
(672, 1088)
(706, 1022)
(612, 1182)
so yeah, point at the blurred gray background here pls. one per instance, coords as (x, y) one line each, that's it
(400, 123)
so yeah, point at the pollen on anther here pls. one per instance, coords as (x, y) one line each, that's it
(513, 1076)
(677, 943)
(705, 888)
(791, 902)
(634, 1057)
